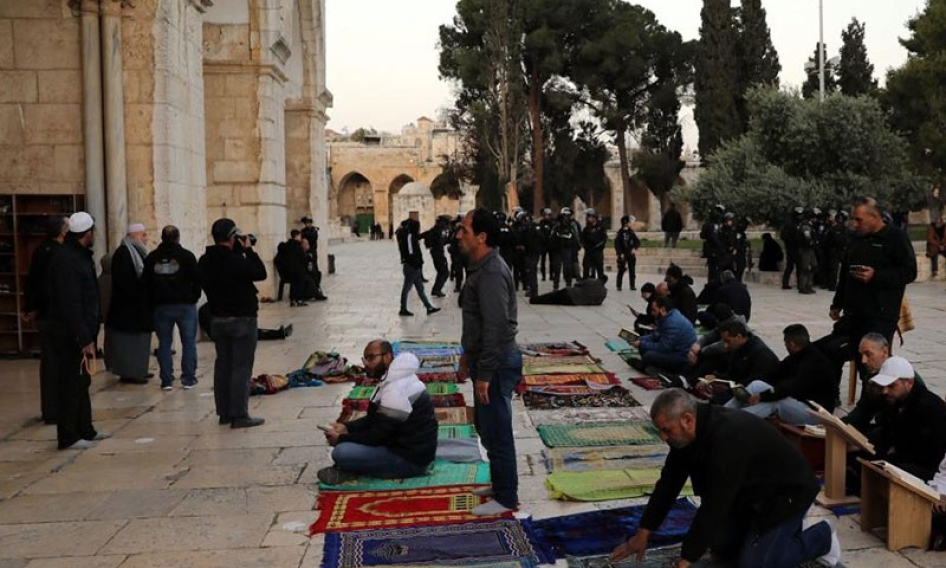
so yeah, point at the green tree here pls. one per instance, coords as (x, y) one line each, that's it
(855, 71)
(802, 152)
(812, 86)
(717, 79)
(915, 91)
(757, 57)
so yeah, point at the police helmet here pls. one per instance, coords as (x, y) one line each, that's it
(729, 216)
(590, 212)
(546, 211)
(625, 220)
(566, 211)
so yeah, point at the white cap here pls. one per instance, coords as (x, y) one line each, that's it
(80, 222)
(893, 369)
(136, 228)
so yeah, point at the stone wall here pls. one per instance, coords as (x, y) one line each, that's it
(41, 147)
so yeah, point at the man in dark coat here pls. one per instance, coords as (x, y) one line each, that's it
(626, 244)
(749, 357)
(34, 310)
(130, 318)
(412, 264)
(73, 316)
(435, 241)
(671, 224)
(755, 489)
(684, 299)
(290, 262)
(594, 237)
(771, 255)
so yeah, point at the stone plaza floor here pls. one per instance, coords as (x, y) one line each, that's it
(172, 488)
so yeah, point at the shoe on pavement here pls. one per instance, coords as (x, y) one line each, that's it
(167, 386)
(432, 311)
(405, 313)
(80, 445)
(133, 380)
(188, 385)
(247, 422)
(334, 476)
(489, 509)
(223, 421)
(484, 491)
(833, 557)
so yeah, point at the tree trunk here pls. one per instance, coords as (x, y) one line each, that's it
(538, 145)
(625, 163)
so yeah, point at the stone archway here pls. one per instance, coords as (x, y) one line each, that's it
(447, 193)
(356, 201)
(396, 184)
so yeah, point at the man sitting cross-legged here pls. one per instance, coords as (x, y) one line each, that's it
(806, 374)
(398, 436)
(666, 348)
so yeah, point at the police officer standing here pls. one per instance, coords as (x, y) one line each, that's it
(626, 244)
(435, 241)
(807, 243)
(789, 238)
(545, 227)
(714, 250)
(563, 247)
(594, 238)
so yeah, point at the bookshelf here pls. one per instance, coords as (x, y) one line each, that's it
(22, 229)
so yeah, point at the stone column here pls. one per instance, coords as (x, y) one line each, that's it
(92, 122)
(115, 172)
(617, 206)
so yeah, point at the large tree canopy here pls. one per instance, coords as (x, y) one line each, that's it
(717, 78)
(855, 72)
(801, 152)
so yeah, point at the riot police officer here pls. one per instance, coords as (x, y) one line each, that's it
(626, 244)
(594, 238)
(789, 238)
(545, 227)
(563, 245)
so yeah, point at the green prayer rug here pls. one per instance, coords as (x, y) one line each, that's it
(441, 473)
(605, 485)
(598, 434)
(456, 431)
(361, 393)
(433, 389)
(605, 453)
(562, 369)
(556, 466)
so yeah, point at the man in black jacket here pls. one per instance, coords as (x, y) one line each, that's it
(681, 292)
(749, 357)
(412, 263)
(170, 278)
(34, 310)
(227, 272)
(755, 489)
(73, 322)
(671, 224)
(802, 376)
(435, 239)
(626, 244)
(594, 237)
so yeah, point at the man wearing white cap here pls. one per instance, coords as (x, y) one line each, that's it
(911, 431)
(73, 326)
(130, 320)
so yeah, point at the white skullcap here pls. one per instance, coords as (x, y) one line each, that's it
(80, 222)
(136, 228)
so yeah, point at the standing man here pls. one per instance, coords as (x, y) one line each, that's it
(172, 285)
(671, 224)
(435, 241)
(412, 261)
(227, 272)
(626, 244)
(594, 238)
(130, 319)
(73, 318)
(37, 304)
(490, 355)
(310, 233)
(545, 227)
(755, 489)
(789, 238)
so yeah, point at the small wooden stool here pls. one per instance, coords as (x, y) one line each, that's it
(892, 498)
(810, 445)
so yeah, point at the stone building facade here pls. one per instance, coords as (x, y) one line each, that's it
(168, 112)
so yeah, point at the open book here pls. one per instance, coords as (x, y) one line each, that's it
(850, 433)
(739, 392)
(914, 482)
(628, 335)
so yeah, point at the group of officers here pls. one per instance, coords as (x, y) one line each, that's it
(555, 247)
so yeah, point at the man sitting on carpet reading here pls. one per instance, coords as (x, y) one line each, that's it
(754, 485)
(666, 348)
(398, 436)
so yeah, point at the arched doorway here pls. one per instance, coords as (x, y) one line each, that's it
(396, 184)
(356, 201)
(447, 192)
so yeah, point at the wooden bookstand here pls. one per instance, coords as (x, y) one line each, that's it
(892, 498)
(852, 382)
(838, 436)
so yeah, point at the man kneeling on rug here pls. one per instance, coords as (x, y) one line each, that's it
(398, 436)
(755, 489)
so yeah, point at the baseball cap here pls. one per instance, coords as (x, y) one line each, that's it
(80, 222)
(223, 229)
(893, 369)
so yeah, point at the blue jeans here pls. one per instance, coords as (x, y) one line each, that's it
(235, 343)
(374, 461)
(185, 317)
(494, 425)
(787, 410)
(413, 277)
(786, 545)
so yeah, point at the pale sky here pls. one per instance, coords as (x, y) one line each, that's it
(382, 56)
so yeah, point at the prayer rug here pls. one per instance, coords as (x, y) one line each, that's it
(441, 389)
(653, 558)
(455, 431)
(554, 348)
(598, 434)
(445, 401)
(576, 415)
(591, 380)
(359, 510)
(445, 377)
(490, 543)
(459, 450)
(558, 466)
(440, 369)
(454, 416)
(604, 453)
(599, 532)
(439, 360)
(541, 399)
(604, 485)
(648, 383)
(617, 345)
(561, 368)
(441, 473)
(558, 360)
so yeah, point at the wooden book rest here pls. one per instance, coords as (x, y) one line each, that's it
(897, 500)
(838, 436)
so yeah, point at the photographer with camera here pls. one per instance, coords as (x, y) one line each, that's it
(227, 271)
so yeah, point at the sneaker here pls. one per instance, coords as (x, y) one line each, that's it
(431, 311)
(833, 557)
(247, 422)
(405, 313)
(80, 445)
(188, 385)
(484, 491)
(334, 476)
(223, 421)
(167, 386)
(490, 509)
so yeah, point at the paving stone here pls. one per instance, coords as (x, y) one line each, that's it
(238, 557)
(238, 476)
(49, 508)
(189, 533)
(137, 503)
(83, 538)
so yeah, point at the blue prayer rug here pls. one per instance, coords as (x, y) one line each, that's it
(654, 558)
(494, 543)
(599, 532)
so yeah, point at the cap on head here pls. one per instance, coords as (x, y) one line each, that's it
(729, 216)
(566, 211)
(80, 222)
(590, 212)
(307, 219)
(625, 220)
(546, 211)
(893, 369)
(136, 228)
(223, 229)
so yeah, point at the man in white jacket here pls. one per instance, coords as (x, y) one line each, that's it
(398, 436)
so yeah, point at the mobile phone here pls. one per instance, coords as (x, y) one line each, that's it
(633, 311)
(858, 268)
(325, 427)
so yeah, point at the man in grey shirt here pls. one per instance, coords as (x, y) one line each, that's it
(491, 356)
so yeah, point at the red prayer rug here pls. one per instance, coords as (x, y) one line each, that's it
(648, 383)
(439, 401)
(360, 510)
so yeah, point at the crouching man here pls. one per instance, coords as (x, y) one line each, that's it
(398, 436)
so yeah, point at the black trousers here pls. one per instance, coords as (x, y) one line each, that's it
(791, 257)
(48, 372)
(74, 421)
(627, 264)
(563, 266)
(443, 273)
(593, 264)
(543, 258)
(531, 272)
(842, 344)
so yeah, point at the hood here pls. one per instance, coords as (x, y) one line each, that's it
(403, 367)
